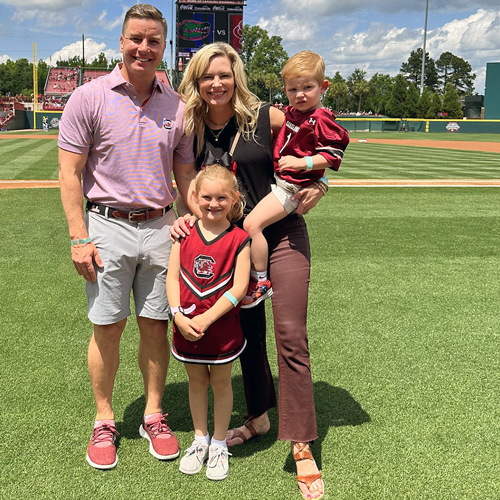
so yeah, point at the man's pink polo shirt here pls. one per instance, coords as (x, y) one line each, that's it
(131, 149)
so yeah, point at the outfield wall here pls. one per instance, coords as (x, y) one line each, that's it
(419, 125)
(34, 120)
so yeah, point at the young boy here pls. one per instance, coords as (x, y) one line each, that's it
(309, 142)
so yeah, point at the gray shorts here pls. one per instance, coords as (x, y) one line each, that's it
(284, 190)
(135, 257)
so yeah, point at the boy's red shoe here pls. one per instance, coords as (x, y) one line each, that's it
(256, 293)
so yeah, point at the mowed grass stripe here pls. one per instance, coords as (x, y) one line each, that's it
(381, 161)
(28, 159)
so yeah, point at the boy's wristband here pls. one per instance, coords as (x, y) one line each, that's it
(322, 183)
(309, 162)
(324, 180)
(81, 242)
(231, 298)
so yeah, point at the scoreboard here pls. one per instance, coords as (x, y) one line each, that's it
(200, 22)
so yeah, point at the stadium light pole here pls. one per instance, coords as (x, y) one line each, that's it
(172, 41)
(423, 53)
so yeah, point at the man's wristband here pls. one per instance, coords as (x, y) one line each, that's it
(309, 163)
(81, 242)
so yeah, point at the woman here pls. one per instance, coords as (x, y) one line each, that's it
(218, 105)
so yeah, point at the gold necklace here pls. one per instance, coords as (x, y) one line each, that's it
(218, 133)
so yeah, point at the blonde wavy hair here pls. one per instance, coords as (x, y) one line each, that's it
(245, 104)
(229, 183)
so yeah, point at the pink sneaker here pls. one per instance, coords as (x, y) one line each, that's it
(163, 444)
(256, 293)
(101, 453)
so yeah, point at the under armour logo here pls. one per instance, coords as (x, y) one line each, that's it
(312, 121)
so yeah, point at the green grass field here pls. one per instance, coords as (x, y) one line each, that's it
(37, 159)
(403, 326)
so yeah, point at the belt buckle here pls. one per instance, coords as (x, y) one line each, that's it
(136, 212)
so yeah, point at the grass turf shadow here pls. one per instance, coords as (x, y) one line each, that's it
(335, 407)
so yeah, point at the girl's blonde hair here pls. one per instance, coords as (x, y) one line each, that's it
(305, 63)
(229, 183)
(245, 104)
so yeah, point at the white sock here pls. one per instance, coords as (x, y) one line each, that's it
(202, 439)
(253, 274)
(262, 275)
(221, 444)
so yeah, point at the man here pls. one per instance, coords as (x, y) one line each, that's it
(124, 134)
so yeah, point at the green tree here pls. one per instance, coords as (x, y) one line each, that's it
(336, 92)
(455, 70)
(411, 102)
(99, 62)
(424, 103)
(436, 106)
(73, 62)
(357, 76)
(262, 56)
(361, 89)
(396, 106)
(412, 70)
(42, 71)
(451, 103)
(380, 91)
(16, 77)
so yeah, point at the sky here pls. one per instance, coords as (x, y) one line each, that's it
(376, 37)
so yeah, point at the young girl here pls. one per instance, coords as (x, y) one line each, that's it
(207, 277)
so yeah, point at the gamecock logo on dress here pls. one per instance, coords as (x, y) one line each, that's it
(203, 266)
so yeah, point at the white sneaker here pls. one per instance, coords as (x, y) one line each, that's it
(218, 463)
(196, 455)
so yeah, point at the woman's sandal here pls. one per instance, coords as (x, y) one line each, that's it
(238, 434)
(308, 479)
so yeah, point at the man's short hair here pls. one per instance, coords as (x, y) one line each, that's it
(305, 63)
(145, 11)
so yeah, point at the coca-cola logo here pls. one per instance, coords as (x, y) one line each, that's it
(187, 7)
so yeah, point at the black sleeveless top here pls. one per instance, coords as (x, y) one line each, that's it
(254, 158)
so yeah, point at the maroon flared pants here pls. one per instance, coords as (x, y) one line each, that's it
(289, 261)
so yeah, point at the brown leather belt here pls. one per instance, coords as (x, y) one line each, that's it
(132, 216)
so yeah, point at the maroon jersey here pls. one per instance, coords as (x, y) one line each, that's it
(206, 272)
(308, 134)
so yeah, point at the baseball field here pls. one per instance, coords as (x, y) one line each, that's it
(404, 327)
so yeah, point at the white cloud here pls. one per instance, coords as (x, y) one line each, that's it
(42, 5)
(5, 58)
(384, 47)
(332, 8)
(288, 28)
(92, 50)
